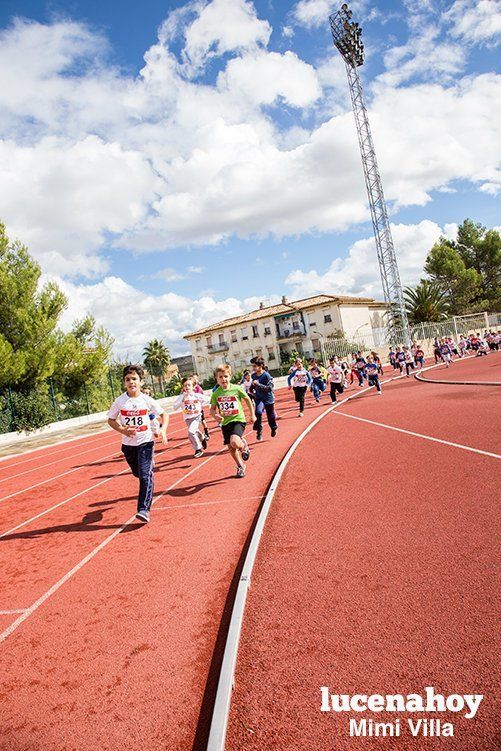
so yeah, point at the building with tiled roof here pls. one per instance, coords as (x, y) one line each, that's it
(276, 330)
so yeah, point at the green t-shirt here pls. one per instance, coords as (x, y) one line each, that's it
(228, 402)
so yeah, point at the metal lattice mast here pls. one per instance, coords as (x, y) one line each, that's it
(347, 39)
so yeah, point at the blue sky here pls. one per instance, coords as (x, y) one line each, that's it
(190, 159)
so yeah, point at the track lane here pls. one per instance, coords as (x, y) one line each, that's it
(382, 582)
(129, 640)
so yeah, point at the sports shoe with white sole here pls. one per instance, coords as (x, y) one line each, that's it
(143, 516)
(246, 452)
(241, 472)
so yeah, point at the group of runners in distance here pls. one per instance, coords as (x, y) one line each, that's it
(139, 418)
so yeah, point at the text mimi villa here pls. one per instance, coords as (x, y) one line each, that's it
(432, 702)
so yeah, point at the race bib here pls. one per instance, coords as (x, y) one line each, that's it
(228, 405)
(191, 408)
(135, 418)
(300, 380)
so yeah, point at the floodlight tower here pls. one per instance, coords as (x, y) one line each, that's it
(346, 35)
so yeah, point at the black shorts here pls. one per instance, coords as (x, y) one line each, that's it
(232, 428)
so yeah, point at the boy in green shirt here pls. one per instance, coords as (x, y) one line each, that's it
(227, 402)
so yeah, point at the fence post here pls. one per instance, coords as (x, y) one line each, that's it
(11, 406)
(53, 400)
(422, 329)
(486, 317)
(110, 378)
(86, 398)
(455, 326)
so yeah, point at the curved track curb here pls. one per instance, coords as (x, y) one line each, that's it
(222, 704)
(419, 377)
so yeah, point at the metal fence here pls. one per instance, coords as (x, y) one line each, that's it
(28, 410)
(422, 333)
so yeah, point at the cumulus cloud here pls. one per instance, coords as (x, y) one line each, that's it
(133, 317)
(92, 157)
(358, 272)
(476, 21)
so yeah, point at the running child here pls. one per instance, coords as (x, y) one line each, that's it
(419, 356)
(199, 390)
(191, 403)
(445, 352)
(409, 361)
(335, 378)
(262, 387)
(372, 370)
(130, 415)
(400, 359)
(317, 382)
(392, 357)
(246, 382)
(227, 408)
(299, 379)
(377, 360)
(360, 363)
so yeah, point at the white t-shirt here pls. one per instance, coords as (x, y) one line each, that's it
(134, 412)
(335, 374)
(191, 404)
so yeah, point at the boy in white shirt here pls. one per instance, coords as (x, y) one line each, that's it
(130, 415)
(192, 404)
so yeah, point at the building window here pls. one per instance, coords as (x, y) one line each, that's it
(327, 318)
(221, 338)
(316, 344)
(244, 333)
(198, 345)
(267, 331)
(271, 356)
(313, 323)
(208, 341)
(255, 332)
(233, 336)
(295, 325)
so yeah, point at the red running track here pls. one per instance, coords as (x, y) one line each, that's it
(484, 369)
(376, 575)
(117, 641)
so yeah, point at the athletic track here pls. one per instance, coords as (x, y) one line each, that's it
(374, 575)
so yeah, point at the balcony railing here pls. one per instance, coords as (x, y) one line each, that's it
(220, 347)
(290, 334)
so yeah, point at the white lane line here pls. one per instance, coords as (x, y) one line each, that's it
(43, 598)
(68, 472)
(8, 457)
(12, 612)
(96, 435)
(420, 435)
(210, 503)
(77, 495)
(55, 461)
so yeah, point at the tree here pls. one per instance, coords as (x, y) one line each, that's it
(426, 302)
(449, 273)
(156, 358)
(480, 249)
(28, 317)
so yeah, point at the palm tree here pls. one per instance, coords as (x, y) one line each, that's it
(156, 358)
(426, 302)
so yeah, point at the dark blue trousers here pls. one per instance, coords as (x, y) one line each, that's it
(140, 460)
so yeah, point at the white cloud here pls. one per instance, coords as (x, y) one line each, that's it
(168, 275)
(358, 272)
(476, 20)
(195, 269)
(91, 157)
(224, 26)
(311, 13)
(423, 56)
(134, 317)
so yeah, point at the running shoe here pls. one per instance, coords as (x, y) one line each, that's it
(241, 472)
(198, 454)
(207, 435)
(379, 393)
(300, 414)
(259, 436)
(204, 442)
(246, 452)
(273, 432)
(143, 516)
